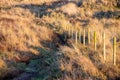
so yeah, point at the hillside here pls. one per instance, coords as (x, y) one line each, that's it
(59, 40)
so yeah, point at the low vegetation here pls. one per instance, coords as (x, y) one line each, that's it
(34, 45)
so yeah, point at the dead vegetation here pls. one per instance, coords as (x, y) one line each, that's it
(32, 39)
(18, 32)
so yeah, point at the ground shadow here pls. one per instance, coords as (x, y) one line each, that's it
(43, 9)
(13, 64)
(43, 67)
(84, 22)
(107, 14)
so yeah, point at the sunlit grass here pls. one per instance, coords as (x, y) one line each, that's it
(34, 44)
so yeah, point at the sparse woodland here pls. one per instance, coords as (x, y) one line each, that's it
(59, 39)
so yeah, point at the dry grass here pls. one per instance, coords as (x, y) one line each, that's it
(21, 33)
(3, 67)
(83, 63)
(18, 33)
(94, 60)
(76, 66)
(70, 9)
(6, 3)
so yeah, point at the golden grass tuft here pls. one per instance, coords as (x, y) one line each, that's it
(2, 64)
(70, 9)
(3, 68)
